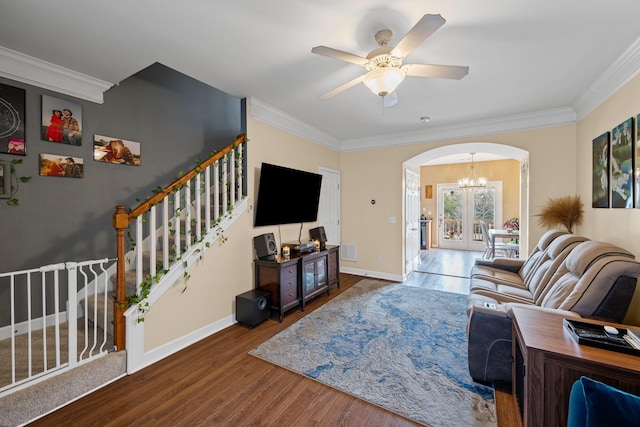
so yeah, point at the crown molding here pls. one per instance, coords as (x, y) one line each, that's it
(27, 69)
(625, 68)
(513, 123)
(281, 120)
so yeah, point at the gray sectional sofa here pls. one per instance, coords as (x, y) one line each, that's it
(565, 273)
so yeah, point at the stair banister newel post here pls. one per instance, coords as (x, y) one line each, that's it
(120, 223)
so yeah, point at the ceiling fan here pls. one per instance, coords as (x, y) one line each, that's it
(384, 66)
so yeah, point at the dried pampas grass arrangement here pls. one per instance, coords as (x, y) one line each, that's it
(566, 211)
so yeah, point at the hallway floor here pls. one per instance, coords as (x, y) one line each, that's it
(451, 266)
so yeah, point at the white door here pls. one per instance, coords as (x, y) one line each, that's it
(412, 220)
(461, 211)
(329, 206)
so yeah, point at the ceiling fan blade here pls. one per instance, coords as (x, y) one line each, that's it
(436, 71)
(343, 87)
(339, 54)
(390, 99)
(426, 26)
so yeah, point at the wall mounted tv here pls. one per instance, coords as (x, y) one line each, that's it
(286, 196)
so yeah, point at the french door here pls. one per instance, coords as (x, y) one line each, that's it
(460, 213)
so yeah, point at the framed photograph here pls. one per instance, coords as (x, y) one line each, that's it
(600, 172)
(116, 150)
(61, 121)
(57, 165)
(428, 191)
(12, 115)
(5, 180)
(622, 165)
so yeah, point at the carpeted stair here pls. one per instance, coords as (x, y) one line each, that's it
(26, 405)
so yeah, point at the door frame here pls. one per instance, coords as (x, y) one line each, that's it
(329, 213)
(411, 221)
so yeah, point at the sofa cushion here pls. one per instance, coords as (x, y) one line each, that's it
(511, 271)
(585, 265)
(549, 262)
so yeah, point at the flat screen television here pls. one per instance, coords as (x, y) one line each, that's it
(286, 196)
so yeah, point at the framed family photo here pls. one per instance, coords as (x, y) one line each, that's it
(116, 150)
(12, 116)
(600, 172)
(61, 121)
(61, 166)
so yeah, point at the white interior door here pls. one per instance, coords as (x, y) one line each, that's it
(461, 211)
(329, 206)
(412, 221)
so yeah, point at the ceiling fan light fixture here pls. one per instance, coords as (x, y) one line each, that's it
(383, 81)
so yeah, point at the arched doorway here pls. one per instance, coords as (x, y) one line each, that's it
(502, 150)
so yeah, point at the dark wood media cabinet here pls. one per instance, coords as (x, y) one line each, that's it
(294, 280)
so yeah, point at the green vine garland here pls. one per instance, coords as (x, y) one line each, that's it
(145, 286)
(15, 179)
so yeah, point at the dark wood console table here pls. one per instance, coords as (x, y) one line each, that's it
(547, 361)
(294, 280)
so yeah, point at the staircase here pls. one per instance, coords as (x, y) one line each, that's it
(169, 232)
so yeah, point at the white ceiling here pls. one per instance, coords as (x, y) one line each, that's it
(532, 63)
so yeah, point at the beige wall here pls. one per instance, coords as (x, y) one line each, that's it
(227, 270)
(377, 174)
(619, 226)
(559, 165)
(507, 171)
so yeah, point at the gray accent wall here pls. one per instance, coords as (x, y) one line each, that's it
(175, 118)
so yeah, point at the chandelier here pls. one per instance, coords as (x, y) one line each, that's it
(472, 180)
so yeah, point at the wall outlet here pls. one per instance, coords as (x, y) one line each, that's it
(379, 259)
(392, 220)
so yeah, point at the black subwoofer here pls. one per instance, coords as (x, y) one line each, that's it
(253, 307)
(265, 246)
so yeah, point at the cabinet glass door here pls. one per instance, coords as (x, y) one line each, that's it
(321, 271)
(309, 274)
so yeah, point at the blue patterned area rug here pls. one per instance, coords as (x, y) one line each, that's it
(398, 347)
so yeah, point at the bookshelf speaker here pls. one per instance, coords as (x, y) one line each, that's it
(318, 234)
(265, 246)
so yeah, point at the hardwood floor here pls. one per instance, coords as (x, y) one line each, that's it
(216, 382)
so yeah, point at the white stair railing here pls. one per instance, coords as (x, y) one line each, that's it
(192, 208)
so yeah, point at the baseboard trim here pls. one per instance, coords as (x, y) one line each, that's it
(373, 274)
(165, 350)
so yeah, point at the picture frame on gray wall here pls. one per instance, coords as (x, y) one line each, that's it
(5, 180)
(116, 150)
(61, 121)
(61, 166)
(12, 120)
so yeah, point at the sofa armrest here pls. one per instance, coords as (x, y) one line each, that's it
(489, 343)
(508, 264)
(565, 313)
